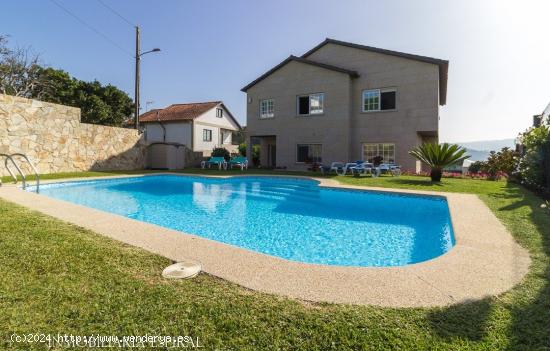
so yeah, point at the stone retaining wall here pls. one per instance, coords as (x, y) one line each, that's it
(55, 140)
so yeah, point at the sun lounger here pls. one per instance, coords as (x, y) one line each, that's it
(219, 161)
(239, 161)
(362, 168)
(390, 168)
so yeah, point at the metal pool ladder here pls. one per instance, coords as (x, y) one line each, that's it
(10, 157)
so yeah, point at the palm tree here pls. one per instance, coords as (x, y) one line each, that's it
(439, 156)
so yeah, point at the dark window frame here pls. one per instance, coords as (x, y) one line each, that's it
(303, 104)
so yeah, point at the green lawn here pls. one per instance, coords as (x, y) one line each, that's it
(58, 278)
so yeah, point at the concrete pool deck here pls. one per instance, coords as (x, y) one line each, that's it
(485, 261)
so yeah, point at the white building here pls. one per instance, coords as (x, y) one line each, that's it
(200, 126)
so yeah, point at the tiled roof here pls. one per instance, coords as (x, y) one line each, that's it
(178, 112)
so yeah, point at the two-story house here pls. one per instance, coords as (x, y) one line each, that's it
(200, 126)
(345, 102)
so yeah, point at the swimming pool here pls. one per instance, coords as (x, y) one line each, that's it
(291, 218)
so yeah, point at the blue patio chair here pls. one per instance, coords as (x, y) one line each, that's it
(219, 161)
(239, 161)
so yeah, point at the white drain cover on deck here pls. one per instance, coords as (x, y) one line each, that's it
(182, 270)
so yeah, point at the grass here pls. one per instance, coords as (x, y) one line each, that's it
(59, 278)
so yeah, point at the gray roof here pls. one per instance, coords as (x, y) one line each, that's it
(443, 64)
(302, 60)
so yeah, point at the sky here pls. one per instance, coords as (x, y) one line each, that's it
(499, 52)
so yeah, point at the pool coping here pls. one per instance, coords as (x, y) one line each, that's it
(485, 261)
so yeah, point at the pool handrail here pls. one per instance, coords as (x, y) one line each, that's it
(19, 170)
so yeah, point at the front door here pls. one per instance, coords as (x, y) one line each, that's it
(271, 155)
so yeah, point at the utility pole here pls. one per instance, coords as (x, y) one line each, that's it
(136, 91)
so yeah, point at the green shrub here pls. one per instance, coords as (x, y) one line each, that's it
(242, 149)
(532, 170)
(501, 163)
(221, 152)
(256, 155)
(476, 167)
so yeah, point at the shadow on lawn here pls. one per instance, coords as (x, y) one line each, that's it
(467, 320)
(531, 321)
(530, 317)
(415, 182)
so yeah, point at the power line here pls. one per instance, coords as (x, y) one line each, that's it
(116, 13)
(91, 27)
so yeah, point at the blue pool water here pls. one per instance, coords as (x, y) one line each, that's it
(287, 217)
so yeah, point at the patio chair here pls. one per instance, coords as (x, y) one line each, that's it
(362, 167)
(219, 161)
(395, 170)
(390, 168)
(240, 161)
(334, 166)
(346, 168)
(337, 166)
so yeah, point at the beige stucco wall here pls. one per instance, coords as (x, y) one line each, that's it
(331, 129)
(208, 120)
(344, 127)
(176, 132)
(55, 140)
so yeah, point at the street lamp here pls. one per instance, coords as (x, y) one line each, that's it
(147, 103)
(138, 59)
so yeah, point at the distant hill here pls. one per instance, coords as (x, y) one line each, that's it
(479, 150)
(477, 155)
(489, 145)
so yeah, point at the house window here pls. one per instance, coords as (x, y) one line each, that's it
(312, 104)
(379, 99)
(267, 108)
(219, 112)
(206, 135)
(386, 151)
(308, 153)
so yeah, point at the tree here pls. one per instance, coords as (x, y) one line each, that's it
(19, 71)
(59, 88)
(106, 105)
(21, 74)
(439, 156)
(502, 162)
